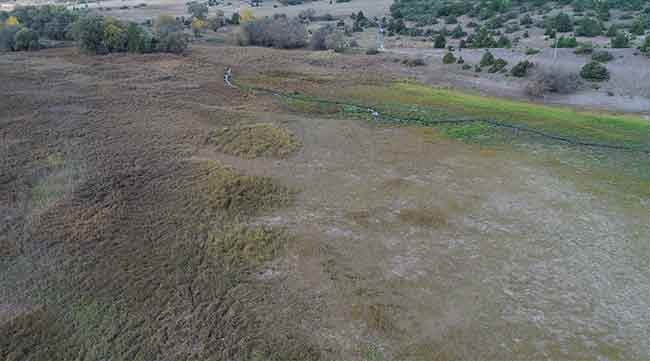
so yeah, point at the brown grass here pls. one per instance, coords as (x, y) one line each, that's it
(241, 194)
(426, 217)
(258, 140)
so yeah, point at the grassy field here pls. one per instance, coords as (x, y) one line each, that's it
(156, 214)
(624, 130)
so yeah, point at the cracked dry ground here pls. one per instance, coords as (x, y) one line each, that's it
(127, 234)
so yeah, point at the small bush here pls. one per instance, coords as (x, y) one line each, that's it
(553, 81)
(620, 40)
(165, 24)
(594, 71)
(449, 58)
(584, 49)
(440, 42)
(498, 65)
(372, 51)
(531, 51)
(413, 62)
(589, 27)
(8, 38)
(466, 67)
(520, 70)
(26, 39)
(602, 56)
(175, 42)
(570, 42)
(278, 33)
(645, 47)
(487, 59)
(461, 60)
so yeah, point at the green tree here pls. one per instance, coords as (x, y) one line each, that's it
(26, 39)
(594, 71)
(620, 40)
(197, 9)
(440, 42)
(646, 45)
(589, 27)
(487, 59)
(458, 32)
(88, 32)
(449, 58)
(114, 35)
(638, 27)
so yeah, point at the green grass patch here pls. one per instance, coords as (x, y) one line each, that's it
(623, 130)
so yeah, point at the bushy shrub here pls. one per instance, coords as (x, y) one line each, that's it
(562, 22)
(481, 39)
(115, 35)
(198, 10)
(372, 51)
(101, 35)
(602, 56)
(138, 40)
(449, 58)
(645, 47)
(594, 71)
(569, 42)
(461, 60)
(165, 24)
(589, 27)
(88, 32)
(413, 62)
(532, 51)
(328, 38)
(49, 21)
(520, 70)
(174, 42)
(26, 39)
(440, 42)
(498, 65)
(8, 37)
(278, 33)
(553, 80)
(487, 59)
(458, 32)
(620, 40)
(504, 42)
(584, 49)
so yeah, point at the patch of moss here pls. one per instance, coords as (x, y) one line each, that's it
(258, 140)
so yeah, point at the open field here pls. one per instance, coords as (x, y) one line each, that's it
(143, 219)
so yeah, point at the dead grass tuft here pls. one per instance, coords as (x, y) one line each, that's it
(258, 140)
(242, 194)
(426, 217)
(376, 316)
(242, 246)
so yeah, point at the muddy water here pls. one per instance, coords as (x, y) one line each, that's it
(463, 252)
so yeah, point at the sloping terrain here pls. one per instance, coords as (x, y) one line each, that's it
(131, 232)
